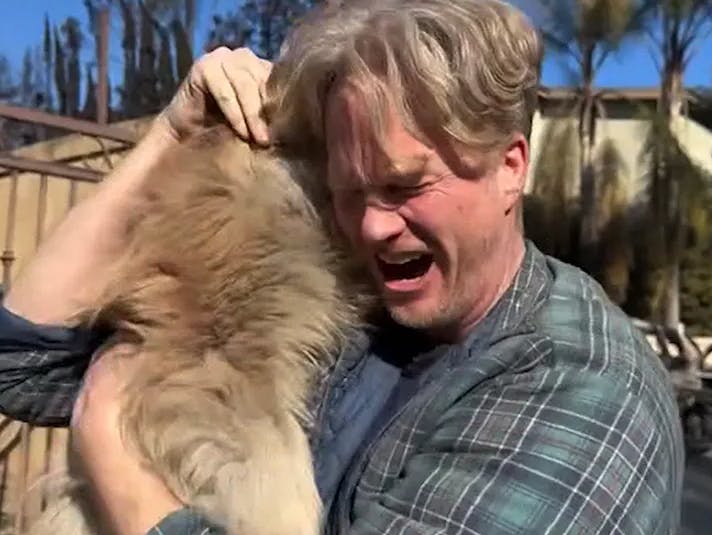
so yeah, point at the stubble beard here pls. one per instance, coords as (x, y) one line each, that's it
(458, 297)
(447, 312)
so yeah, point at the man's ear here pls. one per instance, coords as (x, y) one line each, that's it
(513, 171)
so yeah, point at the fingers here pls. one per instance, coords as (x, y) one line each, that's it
(236, 79)
(247, 87)
(222, 91)
(266, 68)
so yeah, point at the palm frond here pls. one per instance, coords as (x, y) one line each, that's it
(573, 26)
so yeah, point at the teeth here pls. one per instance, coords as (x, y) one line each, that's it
(400, 259)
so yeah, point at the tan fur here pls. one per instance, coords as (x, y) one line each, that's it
(234, 288)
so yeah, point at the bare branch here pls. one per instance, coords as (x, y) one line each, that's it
(561, 45)
(655, 57)
(606, 51)
(694, 28)
(694, 49)
(654, 38)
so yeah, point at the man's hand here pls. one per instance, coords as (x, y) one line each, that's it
(130, 498)
(229, 82)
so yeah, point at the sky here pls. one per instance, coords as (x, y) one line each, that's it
(21, 26)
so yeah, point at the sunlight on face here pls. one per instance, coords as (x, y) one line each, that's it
(429, 234)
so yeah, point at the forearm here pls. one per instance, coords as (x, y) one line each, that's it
(61, 279)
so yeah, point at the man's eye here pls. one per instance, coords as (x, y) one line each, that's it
(394, 191)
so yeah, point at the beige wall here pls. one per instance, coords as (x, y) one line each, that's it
(630, 135)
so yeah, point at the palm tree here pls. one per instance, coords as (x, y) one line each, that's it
(675, 27)
(549, 213)
(678, 206)
(612, 215)
(586, 32)
(551, 216)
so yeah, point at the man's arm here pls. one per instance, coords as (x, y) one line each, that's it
(550, 453)
(41, 368)
(72, 266)
(43, 352)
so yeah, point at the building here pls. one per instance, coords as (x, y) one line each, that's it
(622, 118)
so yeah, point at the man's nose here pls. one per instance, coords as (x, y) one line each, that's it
(381, 223)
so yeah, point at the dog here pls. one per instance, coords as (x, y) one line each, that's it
(240, 295)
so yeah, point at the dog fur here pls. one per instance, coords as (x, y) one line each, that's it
(241, 297)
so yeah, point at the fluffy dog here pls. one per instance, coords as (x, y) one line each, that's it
(240, 295)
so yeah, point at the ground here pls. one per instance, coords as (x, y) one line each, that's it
(697, 496)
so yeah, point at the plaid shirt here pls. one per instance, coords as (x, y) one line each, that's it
(554, 416)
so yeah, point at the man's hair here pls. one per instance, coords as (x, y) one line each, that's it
(463, 70)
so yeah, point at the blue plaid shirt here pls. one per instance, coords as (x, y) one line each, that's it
(554, 416)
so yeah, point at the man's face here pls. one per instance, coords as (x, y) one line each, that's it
(430, 225)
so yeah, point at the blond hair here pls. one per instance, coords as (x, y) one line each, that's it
(465, 70)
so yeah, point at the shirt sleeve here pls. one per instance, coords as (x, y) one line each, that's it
(185, 521)
(41, 368)
(545, 454)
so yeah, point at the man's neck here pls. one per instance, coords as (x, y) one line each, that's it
(502, 275)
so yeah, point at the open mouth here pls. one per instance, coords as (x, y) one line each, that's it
(407, 268)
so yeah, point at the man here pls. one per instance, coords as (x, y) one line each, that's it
(503, 393)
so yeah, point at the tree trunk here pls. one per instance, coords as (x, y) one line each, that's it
(128, 44)
(60, 75)
(47, 56)
(147, 79)
(588, 194)
(190, 21)
(672, 105)
(166, 81)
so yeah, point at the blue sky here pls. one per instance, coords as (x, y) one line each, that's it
(21, 26)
